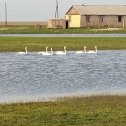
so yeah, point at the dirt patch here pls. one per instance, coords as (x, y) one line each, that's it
(4, 29)
(108, 29)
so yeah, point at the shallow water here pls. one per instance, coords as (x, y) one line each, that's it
(65, 35)
(34, 77)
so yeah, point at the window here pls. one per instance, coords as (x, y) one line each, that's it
(87, 19)
(119, 18)
(101, 19)
(69, 18)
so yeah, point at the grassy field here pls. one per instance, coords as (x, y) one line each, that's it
(13, 44)
(77, 111)
(83, 111)
(40, 30)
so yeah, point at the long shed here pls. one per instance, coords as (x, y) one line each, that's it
(96, 16)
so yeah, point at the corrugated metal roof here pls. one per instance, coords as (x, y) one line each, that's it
(100, 9)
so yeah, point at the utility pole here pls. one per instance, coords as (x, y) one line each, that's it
(5, 14)
(56, 11)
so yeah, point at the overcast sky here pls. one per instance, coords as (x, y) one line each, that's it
(42, 10)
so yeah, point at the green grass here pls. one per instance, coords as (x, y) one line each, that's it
(13, 44)
(33, 30)
(78, 111)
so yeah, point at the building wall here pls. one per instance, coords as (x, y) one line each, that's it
(57, 23)
(102, 21)
(74, 20)
(84, 21)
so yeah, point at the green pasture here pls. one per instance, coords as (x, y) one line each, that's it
(14, 44)
(76, 111)
(40, 30)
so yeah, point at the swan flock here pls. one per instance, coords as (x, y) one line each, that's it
(64, 52)
(89, 51)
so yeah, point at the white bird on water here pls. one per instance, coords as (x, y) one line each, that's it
(81, 52)
(46, 53)
(93, 51)
(61, 52)
(42, 51)
(23, 52)
(51, 51)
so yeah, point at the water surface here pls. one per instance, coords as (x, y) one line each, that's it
(64, 35)
(35, 77)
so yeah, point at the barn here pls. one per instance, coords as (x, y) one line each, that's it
(96, 16)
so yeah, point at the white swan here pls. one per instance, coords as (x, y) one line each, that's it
(47, 53)
(61, 52)
(95, 51)
(81, 52)
(51, 51)
(23, 52)
(43, 52)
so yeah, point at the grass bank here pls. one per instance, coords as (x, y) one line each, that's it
(13, 44)
(39, 30)
(83, 111)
